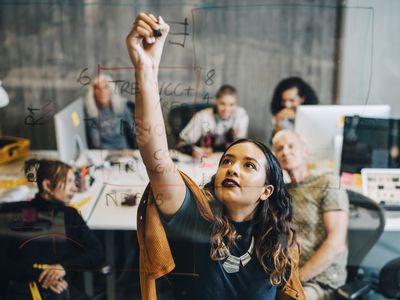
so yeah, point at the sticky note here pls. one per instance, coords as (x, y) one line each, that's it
(75, 119)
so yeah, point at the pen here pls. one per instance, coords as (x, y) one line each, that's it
(157, 32)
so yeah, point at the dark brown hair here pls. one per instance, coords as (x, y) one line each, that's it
(272, 222)
(304, 90)
(53, 170)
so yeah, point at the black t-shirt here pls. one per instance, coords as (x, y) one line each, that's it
(196, 275)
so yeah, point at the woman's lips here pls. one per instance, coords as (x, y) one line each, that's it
(230, 183)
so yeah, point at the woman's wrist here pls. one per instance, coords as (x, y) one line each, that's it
(146, 70)
(146, 76)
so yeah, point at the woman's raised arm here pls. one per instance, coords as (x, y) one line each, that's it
(145, 50)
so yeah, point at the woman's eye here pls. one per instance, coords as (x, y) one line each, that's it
(250, 165)
(226, 161)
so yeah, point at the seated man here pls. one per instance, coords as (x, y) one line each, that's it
(215, 128)
(109, 121)
(320, 209)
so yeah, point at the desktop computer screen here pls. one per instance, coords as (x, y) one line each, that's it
(70, 132)
(319, 125)
(370, 143)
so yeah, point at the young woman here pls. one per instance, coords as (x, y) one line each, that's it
(51, 241)
(221, 124)
(289, 94)
(236, 243)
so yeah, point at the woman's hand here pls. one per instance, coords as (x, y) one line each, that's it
(144, 48)
(51, 275)
(59, 286)
(286, 114)
(145, 51)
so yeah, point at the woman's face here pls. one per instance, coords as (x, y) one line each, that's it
(102, 94)
(226, 105)
(65, 192)
(291, 98)
(240, 179)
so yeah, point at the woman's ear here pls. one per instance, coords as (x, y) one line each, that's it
(269, 189)
(46, 186)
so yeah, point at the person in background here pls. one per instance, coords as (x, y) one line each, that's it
(109, 121)
(320, 208)
(59, 245)
(288, 95)
(213, 129)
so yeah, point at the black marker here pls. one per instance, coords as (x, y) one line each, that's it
(157, 32)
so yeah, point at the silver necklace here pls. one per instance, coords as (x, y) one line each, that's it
(232, 262)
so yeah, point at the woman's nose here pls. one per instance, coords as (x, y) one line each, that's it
(233, 170)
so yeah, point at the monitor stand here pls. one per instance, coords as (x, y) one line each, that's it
(337, 153)
(82, 154)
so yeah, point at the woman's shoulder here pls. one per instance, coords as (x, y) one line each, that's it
(209, 112)
(201, 197)
(241, 109)
(73, 213)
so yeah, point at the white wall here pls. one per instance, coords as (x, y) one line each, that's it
(369, 66)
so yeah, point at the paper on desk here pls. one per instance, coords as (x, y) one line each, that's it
(19, 193)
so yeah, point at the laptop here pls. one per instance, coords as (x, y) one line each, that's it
(382, 186)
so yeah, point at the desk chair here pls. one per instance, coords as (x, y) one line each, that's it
(180, 115)
(367, 222)
(387, 284)
(389, 279)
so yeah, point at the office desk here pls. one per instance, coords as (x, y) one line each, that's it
(118, 182)
(14, 170)
(392, 219)
(100, 206)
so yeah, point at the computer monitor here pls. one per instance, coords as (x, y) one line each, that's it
(70, 133)
(320, 124)
(370, 143)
